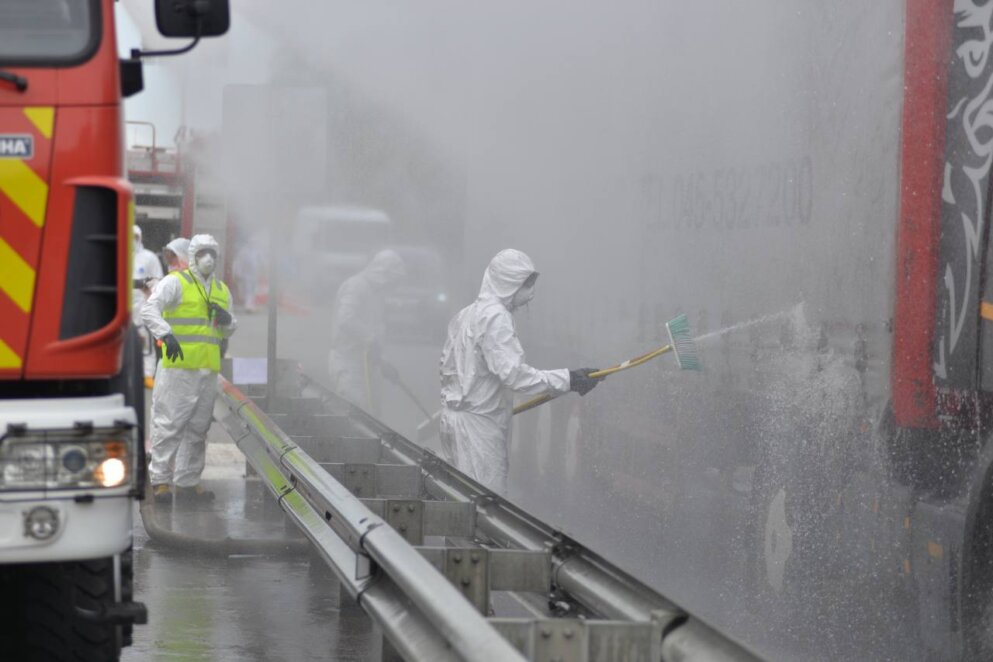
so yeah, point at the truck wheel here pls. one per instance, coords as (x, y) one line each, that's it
(127, 593)
(45, 607)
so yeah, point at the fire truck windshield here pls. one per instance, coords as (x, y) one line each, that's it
(48, 32)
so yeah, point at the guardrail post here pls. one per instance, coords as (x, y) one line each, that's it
(407, 517)
(469, 571)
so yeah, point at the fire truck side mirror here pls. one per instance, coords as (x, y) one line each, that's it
(132, 78)
(192, 18)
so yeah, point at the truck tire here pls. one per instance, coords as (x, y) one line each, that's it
(41, 613)
(127, 593)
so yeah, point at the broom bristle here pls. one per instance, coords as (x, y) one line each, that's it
(682, 343)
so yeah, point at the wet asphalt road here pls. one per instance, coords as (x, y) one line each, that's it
(254, 607)
(243, 606)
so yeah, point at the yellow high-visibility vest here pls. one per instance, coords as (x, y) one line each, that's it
(198, 335)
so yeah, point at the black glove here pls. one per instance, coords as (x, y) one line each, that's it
(580, 380)
(222, 316)
(172, 348)
(389, 371)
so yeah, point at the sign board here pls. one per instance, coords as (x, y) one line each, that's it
(16, 146)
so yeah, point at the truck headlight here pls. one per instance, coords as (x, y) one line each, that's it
(111, 472)
(46, 461)
(25, 463)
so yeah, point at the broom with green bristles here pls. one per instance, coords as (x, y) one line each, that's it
(680, 344)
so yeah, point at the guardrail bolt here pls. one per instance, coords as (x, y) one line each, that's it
(396, 509)
(410, 508)
(466, 581)
(567, 633)
(546, 633)
(457, 558)
(403, 527)
(474, 557)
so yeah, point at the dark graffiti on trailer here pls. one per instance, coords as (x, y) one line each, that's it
(965, 189)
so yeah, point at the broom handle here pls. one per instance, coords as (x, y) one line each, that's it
(630, 363)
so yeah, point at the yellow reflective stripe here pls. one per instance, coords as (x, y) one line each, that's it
(8, 357)
(16, 277)
(43, 117)
(986, 310)
(193, 321)
(210, 340)
(24, 188)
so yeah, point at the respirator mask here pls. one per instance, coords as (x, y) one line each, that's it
(205, 262)
(524, 295)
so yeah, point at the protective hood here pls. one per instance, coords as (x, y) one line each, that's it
(197, 244)
(386, 267)
(505, 275)
(180, 246)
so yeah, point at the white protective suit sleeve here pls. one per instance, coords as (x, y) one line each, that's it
(505, 359)
(167, 294)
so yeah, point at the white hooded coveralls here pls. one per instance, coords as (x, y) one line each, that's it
(181, 247)
(146, 263)
(482, 367)
(182, 399)
(358, 325)
(147, 268)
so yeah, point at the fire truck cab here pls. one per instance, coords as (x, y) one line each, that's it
(71, 388)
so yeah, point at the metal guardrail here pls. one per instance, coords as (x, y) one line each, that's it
(367, 499)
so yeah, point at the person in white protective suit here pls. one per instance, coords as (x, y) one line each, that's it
(146, 263)
(357, 329)
(176, 254)
(483, 366)
(147, 270)
(190, 312)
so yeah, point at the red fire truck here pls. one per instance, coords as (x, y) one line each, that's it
(71, 389)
